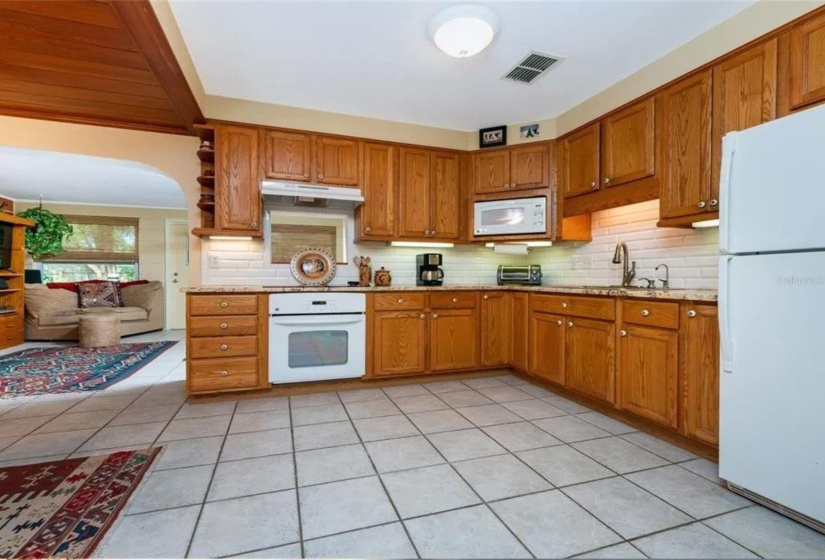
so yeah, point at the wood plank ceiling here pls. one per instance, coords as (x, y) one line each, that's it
(93, 62)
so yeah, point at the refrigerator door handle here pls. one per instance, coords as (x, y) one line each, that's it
(724, 314)
(728, 151)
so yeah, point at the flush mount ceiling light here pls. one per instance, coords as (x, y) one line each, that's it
(463, 31)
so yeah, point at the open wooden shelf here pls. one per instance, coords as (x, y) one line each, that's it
(10, 274)
(9, 291)
(207, 181)
(206, 156)
(207, 232)
(207, 206)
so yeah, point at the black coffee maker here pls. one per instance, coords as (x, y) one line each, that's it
(429, 273)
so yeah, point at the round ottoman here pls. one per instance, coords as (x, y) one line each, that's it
(100, 329)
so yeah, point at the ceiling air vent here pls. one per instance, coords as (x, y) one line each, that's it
(530, 68)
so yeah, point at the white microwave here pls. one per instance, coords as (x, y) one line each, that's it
(513, 216)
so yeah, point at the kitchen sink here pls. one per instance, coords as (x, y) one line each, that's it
(612, 287)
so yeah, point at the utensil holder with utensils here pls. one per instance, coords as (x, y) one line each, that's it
(364, 271)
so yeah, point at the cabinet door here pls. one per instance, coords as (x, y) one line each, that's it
(446, 196)
(546, 349)
(286, 155)
(377, 213)
(808, 63)
(237, 188)
(400, 342)
(700, 372)
(589, 358)
(338, 161)
(648, 373)
(491, 171)
(520, 317)
(495, 329)
(580, 162)
(530, 167)
(686, 147)
(744, 95)
(414, 188)
(453, 339)
(629, 144)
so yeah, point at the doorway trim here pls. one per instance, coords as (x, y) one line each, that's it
(167, 266)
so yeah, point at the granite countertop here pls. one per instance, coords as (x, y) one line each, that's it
(655, 293)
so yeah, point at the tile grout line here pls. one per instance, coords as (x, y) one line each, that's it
(294, 454)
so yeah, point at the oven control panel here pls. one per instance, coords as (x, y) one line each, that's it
(316, 303)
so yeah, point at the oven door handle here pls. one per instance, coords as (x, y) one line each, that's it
(317, 320)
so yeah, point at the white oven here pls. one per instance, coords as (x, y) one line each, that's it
(513, 216)
(315, 336)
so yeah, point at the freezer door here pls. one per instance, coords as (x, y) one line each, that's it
(772, 186)
(772, 409)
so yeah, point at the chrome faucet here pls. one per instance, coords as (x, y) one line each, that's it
(666, 281)
(622, 256)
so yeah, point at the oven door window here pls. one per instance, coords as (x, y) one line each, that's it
(318, 348)
(503, 217)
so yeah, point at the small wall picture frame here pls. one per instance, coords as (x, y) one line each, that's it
(492, 137)
(529, 131)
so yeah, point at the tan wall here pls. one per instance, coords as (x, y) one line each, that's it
(172, 154)
(151, 230)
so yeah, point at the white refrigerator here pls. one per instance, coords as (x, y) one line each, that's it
(772, 314)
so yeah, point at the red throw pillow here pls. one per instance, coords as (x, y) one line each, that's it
(133, 283)
(71, 286)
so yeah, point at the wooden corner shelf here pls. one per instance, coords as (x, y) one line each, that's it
(206, 156)
(10, 274)
(207, 181)
(206, 206)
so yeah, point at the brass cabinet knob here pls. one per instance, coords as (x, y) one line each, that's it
(423, 316)
(224, 304)
(645, 312)
(714, 202)
(224, 326)
(691, 313)
(435, 315)
(702, 204)
(434, 232)
(570, 323)
(455, 299)
(558, 322)
(400, 300)
(592, 184)
(368, 229)
(320, 175)
(564, 305)
(224, 347)
(254, 224)
(607, 180)
(306, 174)
(224, 373)
(486, 297)
(623, 333)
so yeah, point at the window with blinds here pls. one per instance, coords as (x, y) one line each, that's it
(100, 239)
(291, 232)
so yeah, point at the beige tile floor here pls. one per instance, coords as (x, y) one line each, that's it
(489, 467)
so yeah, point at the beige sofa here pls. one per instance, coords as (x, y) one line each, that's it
(54, 314)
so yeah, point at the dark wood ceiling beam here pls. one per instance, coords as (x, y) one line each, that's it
(75, 31)
(83, 11)
(10, 73)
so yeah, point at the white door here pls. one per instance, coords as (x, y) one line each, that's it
(772, 411)
(773, 186)
(177, 272)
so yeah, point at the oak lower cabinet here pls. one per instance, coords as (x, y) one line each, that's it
(519, 329)
(590, 358)
(495, 329)
(453, 339)
(400, 342)
(227, 342)
(699, 372)
(648, 373)
(546, 346)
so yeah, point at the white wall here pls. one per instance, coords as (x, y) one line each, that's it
(690, 254)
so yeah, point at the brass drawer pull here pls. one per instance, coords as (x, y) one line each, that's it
(224, 304)
(645, 312)
(224, 373)
(224, 347)
(224, 326)
(455, 300)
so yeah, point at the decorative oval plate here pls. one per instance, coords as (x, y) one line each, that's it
(312, 267)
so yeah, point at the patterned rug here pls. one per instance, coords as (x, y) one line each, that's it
(72, 369)
(63, 508)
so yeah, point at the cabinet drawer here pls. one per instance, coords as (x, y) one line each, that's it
(453, 300)
(575, 306)
(214, 347)
(653, 313)
(223, 305)
(229, 325)
(11, 337)
(223, 374)
(11, 323)
(399, 301)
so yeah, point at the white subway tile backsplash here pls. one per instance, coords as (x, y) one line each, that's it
(692, 256)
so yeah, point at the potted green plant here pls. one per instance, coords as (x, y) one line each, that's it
(49, 231)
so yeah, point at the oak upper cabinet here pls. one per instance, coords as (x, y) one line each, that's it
(744, 95)
(430, 194)
(590, 358)
(338, 161)
(453, 339)
(286, 155)
(400, 342)
(699, 372)
(580, 162)
(491, 171)
(807, 63)
(519, 329)
(629, 144)
(376, 217)
(546, 346)
(495, 329)
(523, 167)
(686, 147)
(648, 372)
(238, 205)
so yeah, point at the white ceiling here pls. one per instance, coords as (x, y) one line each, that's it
(375, 59)
(60, 177)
